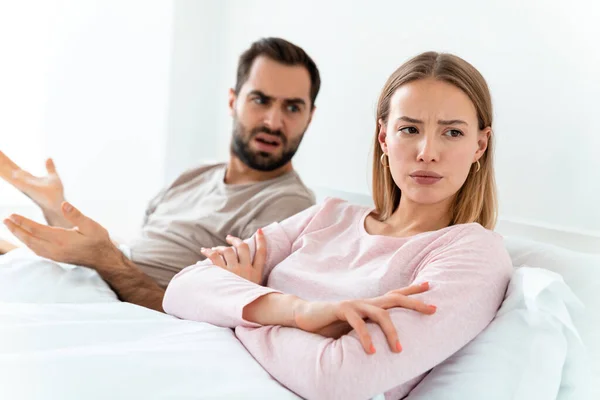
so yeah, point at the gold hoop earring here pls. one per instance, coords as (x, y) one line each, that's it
(478, 166)
(383, 161)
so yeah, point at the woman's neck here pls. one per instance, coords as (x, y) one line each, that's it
(412, 218)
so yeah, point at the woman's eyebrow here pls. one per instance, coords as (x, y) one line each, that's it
(440, 121)
(451, 122)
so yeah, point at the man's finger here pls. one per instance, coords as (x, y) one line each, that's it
(84, 224)
(7, 166)
(50, 167)
(39, 231)
(25, 236)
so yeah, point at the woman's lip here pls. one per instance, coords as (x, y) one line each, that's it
(425, 180)
(425, 174)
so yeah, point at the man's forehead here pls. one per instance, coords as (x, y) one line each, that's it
(278, 80)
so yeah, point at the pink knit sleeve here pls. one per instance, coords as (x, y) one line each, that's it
(468, 279)
(206, 293)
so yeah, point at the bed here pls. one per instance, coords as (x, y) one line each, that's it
(64, 335)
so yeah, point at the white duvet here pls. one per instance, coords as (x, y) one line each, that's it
(64, 335)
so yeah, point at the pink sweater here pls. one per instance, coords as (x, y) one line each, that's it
(325, 253)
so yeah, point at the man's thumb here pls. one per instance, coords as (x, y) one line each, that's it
(76, 218)
(50, 167)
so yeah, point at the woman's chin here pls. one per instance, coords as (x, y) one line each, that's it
(424, 197)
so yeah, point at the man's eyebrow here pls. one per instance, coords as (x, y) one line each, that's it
(293, 100)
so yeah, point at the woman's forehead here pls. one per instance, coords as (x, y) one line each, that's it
(430, 98)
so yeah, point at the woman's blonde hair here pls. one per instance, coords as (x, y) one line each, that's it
(476, 200)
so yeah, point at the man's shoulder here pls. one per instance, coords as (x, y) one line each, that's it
(290, 186)
(201, 171)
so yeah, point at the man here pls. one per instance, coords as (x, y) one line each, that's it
(272, 105)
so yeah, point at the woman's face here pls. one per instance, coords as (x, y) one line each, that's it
(432, 139)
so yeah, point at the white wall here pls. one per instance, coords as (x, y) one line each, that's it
(194, 87)
(97, 102)
(540, 58)
(127, 93)
(22, 80)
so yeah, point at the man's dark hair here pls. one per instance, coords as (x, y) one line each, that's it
(283, 52)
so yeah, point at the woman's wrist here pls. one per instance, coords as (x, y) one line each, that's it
(274, 309)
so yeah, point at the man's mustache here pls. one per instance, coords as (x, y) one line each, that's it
(264, 129)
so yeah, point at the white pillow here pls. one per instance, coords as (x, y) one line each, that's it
(581, 272)
(27, 278)
(521, 354)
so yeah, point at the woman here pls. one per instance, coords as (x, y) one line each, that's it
(322, 302)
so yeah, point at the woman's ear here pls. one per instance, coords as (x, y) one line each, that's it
(382, 135)
(482, 142)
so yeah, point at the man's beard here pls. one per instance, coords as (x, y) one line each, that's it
(260, 160)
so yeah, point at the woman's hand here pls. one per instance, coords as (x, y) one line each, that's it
(337, 319)
(237, 260)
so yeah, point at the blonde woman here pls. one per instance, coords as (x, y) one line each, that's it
(339, 301)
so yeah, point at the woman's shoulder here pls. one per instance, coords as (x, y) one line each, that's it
(471, 232)
(334, 211)
(336, 206)
(476, 241)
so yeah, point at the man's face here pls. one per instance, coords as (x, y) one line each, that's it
(270, 114)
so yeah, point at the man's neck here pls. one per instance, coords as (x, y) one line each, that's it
(239, 173)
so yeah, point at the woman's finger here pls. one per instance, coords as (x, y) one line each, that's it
(219, 249)
(382, 318)
(359, 325)
(230, 257)
(335, 330)
(412, 289)
(243, 250)
(214, 257)
(397, 300)
(260, 257)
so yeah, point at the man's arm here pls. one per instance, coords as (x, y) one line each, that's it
(5, 246)
(89, 244)
(129, 282)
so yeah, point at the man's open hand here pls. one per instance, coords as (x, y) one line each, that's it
(88, 243)
(45, 191)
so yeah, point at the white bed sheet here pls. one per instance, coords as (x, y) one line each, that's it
(105, 349)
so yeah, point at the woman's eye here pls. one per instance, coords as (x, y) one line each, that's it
(411, 130)
(454, 133)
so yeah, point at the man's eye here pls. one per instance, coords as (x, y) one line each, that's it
(259, 100)
(293, 108)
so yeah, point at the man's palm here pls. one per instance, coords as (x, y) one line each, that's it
(46, 191)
